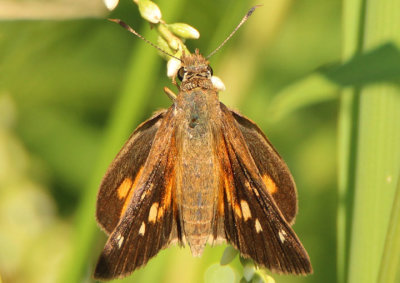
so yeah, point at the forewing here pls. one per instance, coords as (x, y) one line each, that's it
(146, 225)
(273, 170)
(253, 222)
(118, 184)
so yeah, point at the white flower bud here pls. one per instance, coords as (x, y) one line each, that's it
(218, 83)
(150, 11)
(111, 4)
(173, 66)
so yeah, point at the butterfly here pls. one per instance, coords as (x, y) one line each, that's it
(197, 173)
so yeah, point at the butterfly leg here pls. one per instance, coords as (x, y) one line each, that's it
(170, 93)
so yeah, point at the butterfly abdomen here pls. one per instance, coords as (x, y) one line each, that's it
(197, 183)
(197, 191)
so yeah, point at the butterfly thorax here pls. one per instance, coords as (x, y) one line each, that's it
(197, 107)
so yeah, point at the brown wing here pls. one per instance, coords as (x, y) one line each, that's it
(274, 171)
(253, 222)
(117, 186)
(148, 222)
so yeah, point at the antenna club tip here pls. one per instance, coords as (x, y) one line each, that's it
(253, 9)
(120, 22)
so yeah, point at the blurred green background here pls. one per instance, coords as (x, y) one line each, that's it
(73, 86)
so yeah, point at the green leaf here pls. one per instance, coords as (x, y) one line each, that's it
(248, 271)
(381, 64)
(229, 254)
(312, 89)
(219, 274)
(257, 278)
(261, 274)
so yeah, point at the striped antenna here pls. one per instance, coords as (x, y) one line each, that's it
(248, 14)
(128, 28)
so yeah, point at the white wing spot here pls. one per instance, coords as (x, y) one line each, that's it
(245, 210)
(282, 235)
(153, 212)
(258, 226)
(120, 240)
(146, 193)
(142, 229)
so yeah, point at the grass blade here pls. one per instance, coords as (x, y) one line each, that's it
(391, 255)
(378, 151)
(353, 23)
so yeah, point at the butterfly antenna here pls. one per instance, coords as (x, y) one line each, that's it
(128, 28)
(248, 14)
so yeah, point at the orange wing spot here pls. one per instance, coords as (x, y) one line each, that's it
(167, 197)
(247, 185)
(160, 213)
(238, 210)
(168, 192)
(227, 182)
(228, 188)
(127, 195)
(169, 179)
(270, 184)
(124, 188)
(221, 200)
(225, 187)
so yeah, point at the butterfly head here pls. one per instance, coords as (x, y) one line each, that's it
(194, 70)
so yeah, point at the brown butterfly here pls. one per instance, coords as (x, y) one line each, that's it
(198, 173)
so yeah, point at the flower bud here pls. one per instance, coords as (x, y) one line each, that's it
(218, 83)
(184, 30)
(173, 66)
(163, 44)
(149, 11)
(111, 4)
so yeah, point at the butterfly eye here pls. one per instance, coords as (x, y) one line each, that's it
(181, 73)
(210, 70)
